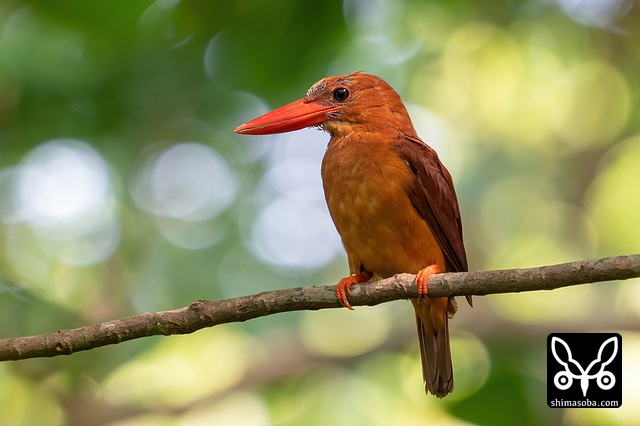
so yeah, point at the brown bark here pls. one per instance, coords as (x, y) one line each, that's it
(208, 313)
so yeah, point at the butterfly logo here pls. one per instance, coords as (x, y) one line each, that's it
(573, 370)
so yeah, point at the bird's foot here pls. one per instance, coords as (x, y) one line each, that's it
(422, 279)
(344, 286)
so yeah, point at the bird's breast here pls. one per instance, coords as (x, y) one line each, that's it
(365, 188)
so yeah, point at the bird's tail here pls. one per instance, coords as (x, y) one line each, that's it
(432, 318)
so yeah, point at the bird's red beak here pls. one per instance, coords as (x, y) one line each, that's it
(294, 116)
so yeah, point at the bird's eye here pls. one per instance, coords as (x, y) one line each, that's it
(340, 94)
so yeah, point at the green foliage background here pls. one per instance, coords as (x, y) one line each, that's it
(124, 190)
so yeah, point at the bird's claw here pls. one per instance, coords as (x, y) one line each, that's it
(422, 279)
(344, 286)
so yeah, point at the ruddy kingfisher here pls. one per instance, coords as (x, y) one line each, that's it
(390, 198)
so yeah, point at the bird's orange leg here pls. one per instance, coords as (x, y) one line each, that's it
(422, 279)
(344, 286)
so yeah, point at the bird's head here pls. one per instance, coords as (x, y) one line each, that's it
(340, 105)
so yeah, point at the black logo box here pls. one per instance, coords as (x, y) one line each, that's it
(584, 370)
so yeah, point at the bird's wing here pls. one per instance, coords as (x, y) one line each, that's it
(432, 194)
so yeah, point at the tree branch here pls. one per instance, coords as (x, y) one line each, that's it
(208, 313)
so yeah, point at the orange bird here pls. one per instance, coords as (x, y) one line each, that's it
(391, 199)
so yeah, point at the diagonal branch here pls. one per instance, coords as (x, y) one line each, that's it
(208, 313)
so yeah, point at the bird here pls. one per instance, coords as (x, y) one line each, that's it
(390, 197)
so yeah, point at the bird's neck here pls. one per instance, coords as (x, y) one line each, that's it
(386, 129)
(364, 136)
